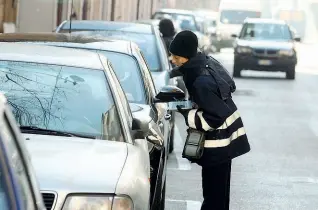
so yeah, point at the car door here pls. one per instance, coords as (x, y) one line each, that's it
(161, 109)
(18, 189)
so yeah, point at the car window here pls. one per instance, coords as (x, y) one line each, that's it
(148, 78)
(15, 159)
(237, 16)
(63, 98)
(122, 95)
(146, 42)
(266, 31)
(163, 51)
(128, 73)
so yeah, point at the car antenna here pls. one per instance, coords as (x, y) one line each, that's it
(71, 17)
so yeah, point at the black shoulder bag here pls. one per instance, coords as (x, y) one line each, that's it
(194, 145)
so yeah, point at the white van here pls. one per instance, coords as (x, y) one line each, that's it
(231, 16)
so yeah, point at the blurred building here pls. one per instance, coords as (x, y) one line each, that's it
(46, 15)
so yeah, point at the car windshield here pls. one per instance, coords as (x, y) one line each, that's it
(237, 16)
(61, 98)
(266, 31)
(146, 42)
(128, 73)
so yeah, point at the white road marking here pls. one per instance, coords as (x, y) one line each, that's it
(191, 205)
(178, 141)
(183, 164)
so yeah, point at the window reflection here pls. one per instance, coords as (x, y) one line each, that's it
(56, 97)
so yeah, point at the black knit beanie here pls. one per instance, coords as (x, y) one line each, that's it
(185, 44)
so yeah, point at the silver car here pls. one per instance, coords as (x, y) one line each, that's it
(88, 149)
(18, 184)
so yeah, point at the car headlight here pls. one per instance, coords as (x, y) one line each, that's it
(243, 50)
(286, 52)
(98, 202)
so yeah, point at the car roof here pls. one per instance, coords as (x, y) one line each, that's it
(70, 40)
(154, 22)
(264, 20)
(176, 11)
(49, 55)
(107, 26)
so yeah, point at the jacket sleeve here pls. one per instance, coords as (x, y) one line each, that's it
(212, 111)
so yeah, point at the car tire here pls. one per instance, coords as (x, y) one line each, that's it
(163, 198)
(171, 141)
(237, 70)
(290, 73)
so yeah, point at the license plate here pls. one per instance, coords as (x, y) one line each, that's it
(264, 62)
(184, 105)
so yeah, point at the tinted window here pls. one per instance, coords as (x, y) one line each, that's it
(146, 42)
(128, 74)
(266, 31)
(60, 98)
(237, 16)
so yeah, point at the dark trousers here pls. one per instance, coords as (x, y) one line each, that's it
(216, 182)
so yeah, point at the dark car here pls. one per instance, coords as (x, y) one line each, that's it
(18, 184)
(146, 36)
(265, 45)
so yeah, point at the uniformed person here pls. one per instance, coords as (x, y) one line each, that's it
(210, 87)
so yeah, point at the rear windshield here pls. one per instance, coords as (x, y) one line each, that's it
(237, 16)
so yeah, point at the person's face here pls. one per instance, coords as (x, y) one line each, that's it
(178, 60)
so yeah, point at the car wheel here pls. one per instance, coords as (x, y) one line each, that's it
(171, 142)
(290, 73)
(163, 197)
(237, 70)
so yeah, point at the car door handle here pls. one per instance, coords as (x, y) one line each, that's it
(168, 117)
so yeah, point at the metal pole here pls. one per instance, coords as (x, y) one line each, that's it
(138, 5)
(151, 8)
(112, 12)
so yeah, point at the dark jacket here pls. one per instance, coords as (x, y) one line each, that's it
(210, 88)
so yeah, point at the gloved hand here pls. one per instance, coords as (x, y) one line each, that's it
(184, 113)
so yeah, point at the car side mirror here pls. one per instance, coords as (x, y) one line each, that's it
(169, 93)
(234, 35)
(297, 39)
(140, 125)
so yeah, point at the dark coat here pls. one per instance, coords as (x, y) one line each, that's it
(210, 88)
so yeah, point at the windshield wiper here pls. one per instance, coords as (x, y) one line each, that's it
(37, 130)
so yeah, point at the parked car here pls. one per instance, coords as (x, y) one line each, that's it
(265, 45)
(88, 146)
(18, 184)
(137, 82)
(146, 36)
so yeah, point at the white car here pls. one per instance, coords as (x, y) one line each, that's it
(88, 149)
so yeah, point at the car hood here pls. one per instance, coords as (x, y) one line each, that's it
(76, 164)
(160, 79)
(280, 45)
